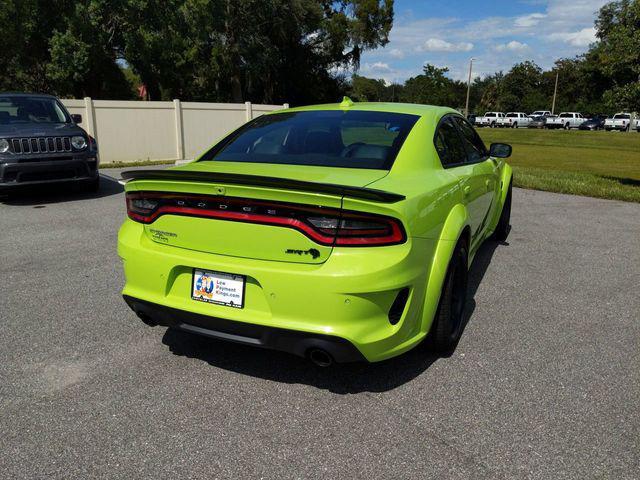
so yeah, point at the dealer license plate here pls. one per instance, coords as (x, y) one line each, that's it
(219, 288)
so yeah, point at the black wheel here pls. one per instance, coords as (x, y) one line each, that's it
(502, 229)
(493, 125)
(449, 320)
(567, 127)
(515, 125)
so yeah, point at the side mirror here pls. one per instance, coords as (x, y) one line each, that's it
(76, 117)
(500, 150)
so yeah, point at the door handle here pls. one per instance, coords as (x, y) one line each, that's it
(466, 190)
(488, 184)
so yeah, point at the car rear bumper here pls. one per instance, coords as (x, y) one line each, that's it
(290, 341)
(351, 296)
(37, 171)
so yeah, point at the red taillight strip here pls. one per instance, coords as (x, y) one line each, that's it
(248, 218)
(345, 237)
(396, 236)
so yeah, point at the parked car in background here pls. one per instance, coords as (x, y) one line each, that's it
(514, 120)
(238, 244)
(638, 125)
(596, 122)
(537, 122)
(566, 120)
(541, 113)
(40, 142)
(620, 121)
(489, 119)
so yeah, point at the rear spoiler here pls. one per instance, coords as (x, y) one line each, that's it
(260, 181)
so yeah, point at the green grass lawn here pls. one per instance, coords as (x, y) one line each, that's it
(597, 164)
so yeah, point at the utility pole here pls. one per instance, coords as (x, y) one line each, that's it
(555, 92)
(466, 108)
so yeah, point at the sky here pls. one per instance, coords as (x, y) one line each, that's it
(497, 34)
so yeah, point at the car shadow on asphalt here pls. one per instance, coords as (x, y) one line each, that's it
(38, 195)
(340, 379)
(479, 267)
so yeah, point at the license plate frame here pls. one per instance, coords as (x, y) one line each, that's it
(206, 287)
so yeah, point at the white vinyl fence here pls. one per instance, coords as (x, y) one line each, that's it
(136, 130)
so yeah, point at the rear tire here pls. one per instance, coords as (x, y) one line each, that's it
(502, 229)
(449, 320)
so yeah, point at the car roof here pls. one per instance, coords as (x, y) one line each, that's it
(407, 108)
(23, 94)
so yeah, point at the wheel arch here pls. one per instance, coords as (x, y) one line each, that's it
(455, 228)
(506, 177)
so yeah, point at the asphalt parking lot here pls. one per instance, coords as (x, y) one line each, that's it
(544, 384)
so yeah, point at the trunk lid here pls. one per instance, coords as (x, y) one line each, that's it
(205, 231)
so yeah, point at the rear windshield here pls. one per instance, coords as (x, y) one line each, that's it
(512, 115)
(331, 138)
(622, 116)
(19, 109)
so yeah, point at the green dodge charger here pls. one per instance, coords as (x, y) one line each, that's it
(338, 232)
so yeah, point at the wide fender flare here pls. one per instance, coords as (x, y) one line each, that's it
(454, 226)
(505, 181)
(506, 177)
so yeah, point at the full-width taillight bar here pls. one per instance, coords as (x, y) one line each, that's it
(324, 225)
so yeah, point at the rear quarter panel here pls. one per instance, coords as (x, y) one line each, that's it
(433, 212)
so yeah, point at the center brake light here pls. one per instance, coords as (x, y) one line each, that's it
(324, 225)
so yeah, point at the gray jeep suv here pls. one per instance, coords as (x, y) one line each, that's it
(40, 142)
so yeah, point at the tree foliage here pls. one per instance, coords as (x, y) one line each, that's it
(224, 50)
(273, 51)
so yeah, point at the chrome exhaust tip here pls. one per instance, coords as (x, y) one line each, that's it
(320, 357)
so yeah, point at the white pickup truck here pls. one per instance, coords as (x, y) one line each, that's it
(514, 120)
(620, 121)
(489, 119)
(541, 113)
(566, 120)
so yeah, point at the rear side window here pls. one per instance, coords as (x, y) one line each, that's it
(473, 143)
(448, 143)
(329, 138)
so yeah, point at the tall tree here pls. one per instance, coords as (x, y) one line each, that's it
(433, 87)
(227, 50)
(618, 52)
